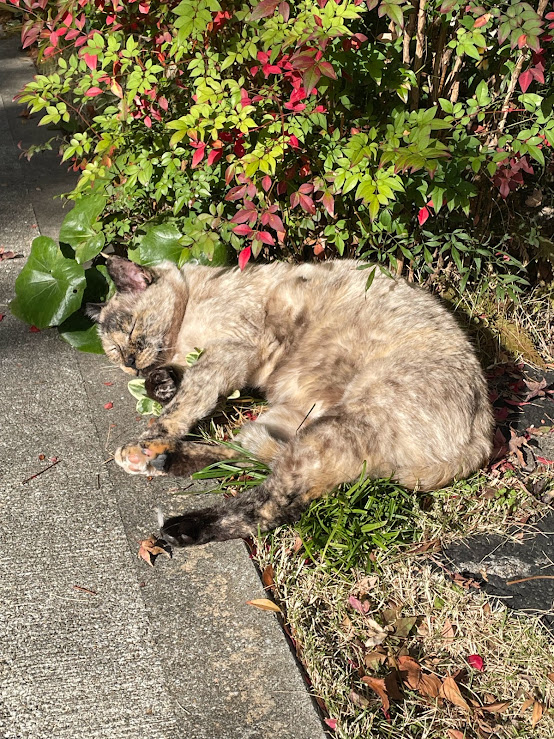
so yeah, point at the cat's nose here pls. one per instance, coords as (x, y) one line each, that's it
(131, 362)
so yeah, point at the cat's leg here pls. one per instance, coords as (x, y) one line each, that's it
(330, 451)
(221, 369)
(181, 458)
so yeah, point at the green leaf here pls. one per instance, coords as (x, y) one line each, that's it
(49, 288)
(158, 243)
(137, 388)
(80, 227)
(81, 333)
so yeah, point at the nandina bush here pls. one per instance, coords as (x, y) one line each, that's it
(388, 130)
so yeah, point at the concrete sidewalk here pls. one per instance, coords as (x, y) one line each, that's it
(172, 651)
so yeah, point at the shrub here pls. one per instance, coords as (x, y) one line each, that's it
(383, 129)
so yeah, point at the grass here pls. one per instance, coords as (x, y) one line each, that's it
(362, 541)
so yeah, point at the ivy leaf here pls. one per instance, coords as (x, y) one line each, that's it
(82, 334)
(50, 287)
(80, 227)
(160, 242)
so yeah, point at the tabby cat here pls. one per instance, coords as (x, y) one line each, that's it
(382, 377)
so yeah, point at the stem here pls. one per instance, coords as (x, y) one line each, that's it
(418, 57)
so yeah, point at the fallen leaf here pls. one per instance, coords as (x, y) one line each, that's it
(429, 686)
(403, 626)
(447, 632)
(455, 734)
(514, 445)
(34, 330)
(527, 704)
(536, 389)
(377, 684)
(538, 710)
(496, 707)
(6, 254)
(151, 547)
(264, 604)
(267, 577)
(374, 659)
(366, 584)
(331, 723)
(108, 406)
(551, 677)
(410, 671)
(451, 691)
(377, 634)
(357, 605)
(2, 316)
(391, 684)
(476, 661)
(357, 699)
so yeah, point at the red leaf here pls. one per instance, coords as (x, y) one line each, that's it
(236, 193)
(331, 723)
(476, 661)
(482, 21)
(242, 230)
(214, 156)
(108, 406)
(525, 79)
(144, 8)
(357, 605)
(93, 92)
(293, 141)
(307, 204)
(326, 68)
(198, 155)
(34, 330)
(266, 183)
(2, 316)
(147, 121)
(422, 215)
(244, 256)
(275, 222)
(266, 238)
(242, 216)
(264, 9)
(294, 199)
(284, 9)
(328, 203)
(91, 60)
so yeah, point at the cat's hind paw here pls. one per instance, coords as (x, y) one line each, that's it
(144, 457)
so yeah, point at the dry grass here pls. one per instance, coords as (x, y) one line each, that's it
(452, 623)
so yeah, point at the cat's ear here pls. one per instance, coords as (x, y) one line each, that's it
(92, 310)
(128, 276)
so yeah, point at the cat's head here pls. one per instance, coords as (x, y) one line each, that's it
(138, 326)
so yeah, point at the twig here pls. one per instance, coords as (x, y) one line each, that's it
(305, 417)
(527, 579)
(418, 56)
(85, 590)
(42, 471)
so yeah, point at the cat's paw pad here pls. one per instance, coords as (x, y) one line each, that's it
(143, 458)
(161, 385)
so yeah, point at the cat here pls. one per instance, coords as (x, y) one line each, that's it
(381, 379)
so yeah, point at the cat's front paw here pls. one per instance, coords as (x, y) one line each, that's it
(144, 457)
(162, 384)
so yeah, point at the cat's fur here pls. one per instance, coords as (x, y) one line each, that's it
(383, 377)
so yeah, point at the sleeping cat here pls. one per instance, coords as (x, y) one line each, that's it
(383, 378)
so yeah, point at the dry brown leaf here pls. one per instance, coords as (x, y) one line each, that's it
(264, 604)
(392, 687)
(374, 659)
(455, 734)
(376, 633)
(366, 584)
(538, 710)
(451, 692)
(496, 707)
(267, 577)
(527, 704)
(429, 686)
(377, 684)
(447, 632)
(551, 677)
(403, 626)
(410, 672)
(150, 548)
